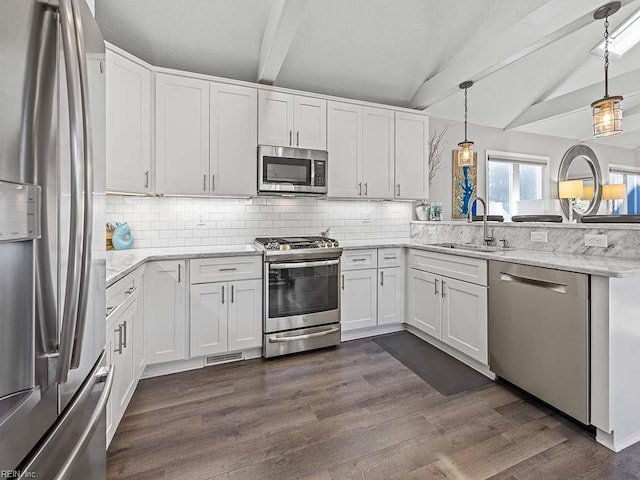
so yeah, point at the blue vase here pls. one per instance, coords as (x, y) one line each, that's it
(122, 236)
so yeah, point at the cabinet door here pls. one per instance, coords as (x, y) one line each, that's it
(412, 149)
(165, 311)
(359, 299)
(122, 354)
(310, 122)
(424, 302)
(182, 135)
(390, 297)
(345, 150)
(138, 337)
(378, 152)
(245, 315)
(128, 127)
(209, 307)
(234, 140)
(275, 119)
(464, 318)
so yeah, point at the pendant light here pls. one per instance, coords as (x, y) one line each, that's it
(465, 149)
(607, 112)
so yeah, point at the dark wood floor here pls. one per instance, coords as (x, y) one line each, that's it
(353, 412)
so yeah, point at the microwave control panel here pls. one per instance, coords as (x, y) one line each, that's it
(320, 173)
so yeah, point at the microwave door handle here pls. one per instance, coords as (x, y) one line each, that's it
(85, 276)
(72, 288)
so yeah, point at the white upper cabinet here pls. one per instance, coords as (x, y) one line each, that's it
(344, 144)
(275, 119)
(233, 140)
(128, 127)
(310, 123)
(292, 121)
(377, 152)
(182, 135)
(412, 149)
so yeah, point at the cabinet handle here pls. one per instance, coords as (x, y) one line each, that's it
(443, 286)
(343, 281)
(360, 188)
(179, 272)
(131, 291)
(119, 349)
(204, 183)
(146, 179)
(358, 259)
(110, 309)
(213, 182)
(124, 343)
(435, 287)
(298, 138)
(390, 257)
(222, 294)
(290, 138)
(232, 295)
(382, 278)
(230, 269)
(366, 189)
(398, 189)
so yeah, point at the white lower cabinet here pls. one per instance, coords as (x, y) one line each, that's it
(225, 316)
(450, 310)
(359, 299)
(165, 311)
(372, 296)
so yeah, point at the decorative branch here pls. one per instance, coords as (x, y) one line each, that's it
(437, 145)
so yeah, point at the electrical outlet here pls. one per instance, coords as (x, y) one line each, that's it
(594, 240)
(366, 217)
(539, 237)
(201, 221)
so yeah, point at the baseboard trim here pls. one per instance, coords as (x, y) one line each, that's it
(609, 440)
(168, 368)
(479, 367)
(371, 331)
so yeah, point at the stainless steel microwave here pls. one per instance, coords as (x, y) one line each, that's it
(283, 170)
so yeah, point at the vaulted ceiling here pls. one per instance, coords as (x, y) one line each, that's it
(531, 59)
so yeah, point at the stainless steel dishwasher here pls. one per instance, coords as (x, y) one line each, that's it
(539, 333)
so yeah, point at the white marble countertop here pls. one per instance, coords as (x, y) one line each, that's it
(120, 263)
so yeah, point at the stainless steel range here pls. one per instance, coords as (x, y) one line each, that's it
(301, 294)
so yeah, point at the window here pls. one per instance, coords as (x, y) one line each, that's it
(630, 177)
(515, 183)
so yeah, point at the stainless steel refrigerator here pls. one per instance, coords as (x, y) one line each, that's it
(54, 381)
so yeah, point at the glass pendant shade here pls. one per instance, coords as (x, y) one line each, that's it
(607, 117)
(465, 153)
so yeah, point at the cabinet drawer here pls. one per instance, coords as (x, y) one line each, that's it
(454, 266)
(389, 257)
(223, 269)
(359, 259)
(123, 290)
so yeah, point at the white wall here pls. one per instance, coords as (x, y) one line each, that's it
(183, 221)
(488, 138)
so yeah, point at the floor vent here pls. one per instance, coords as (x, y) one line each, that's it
(229, 357)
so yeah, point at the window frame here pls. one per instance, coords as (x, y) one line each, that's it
(623, 170)
(518, 159)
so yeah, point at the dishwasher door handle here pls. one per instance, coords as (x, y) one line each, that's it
(534, 282)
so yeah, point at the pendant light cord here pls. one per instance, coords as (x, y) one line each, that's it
(606, 57)
(465, 114)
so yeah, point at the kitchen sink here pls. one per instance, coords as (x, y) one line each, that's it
(470, 247)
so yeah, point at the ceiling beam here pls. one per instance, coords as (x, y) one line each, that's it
(625, 84)
(547, 24)
(284, 19)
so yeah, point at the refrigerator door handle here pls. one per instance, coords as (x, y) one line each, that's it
(85, 275)
(104, 374)
(72, 289)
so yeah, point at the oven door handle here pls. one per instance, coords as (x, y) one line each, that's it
(297, 338)
(284, 266)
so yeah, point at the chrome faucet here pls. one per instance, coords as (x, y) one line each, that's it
(325, 233)
(488, 239)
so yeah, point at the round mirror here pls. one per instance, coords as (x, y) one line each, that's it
(581, 163)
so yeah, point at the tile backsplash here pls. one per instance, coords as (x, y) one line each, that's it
(182, 221)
